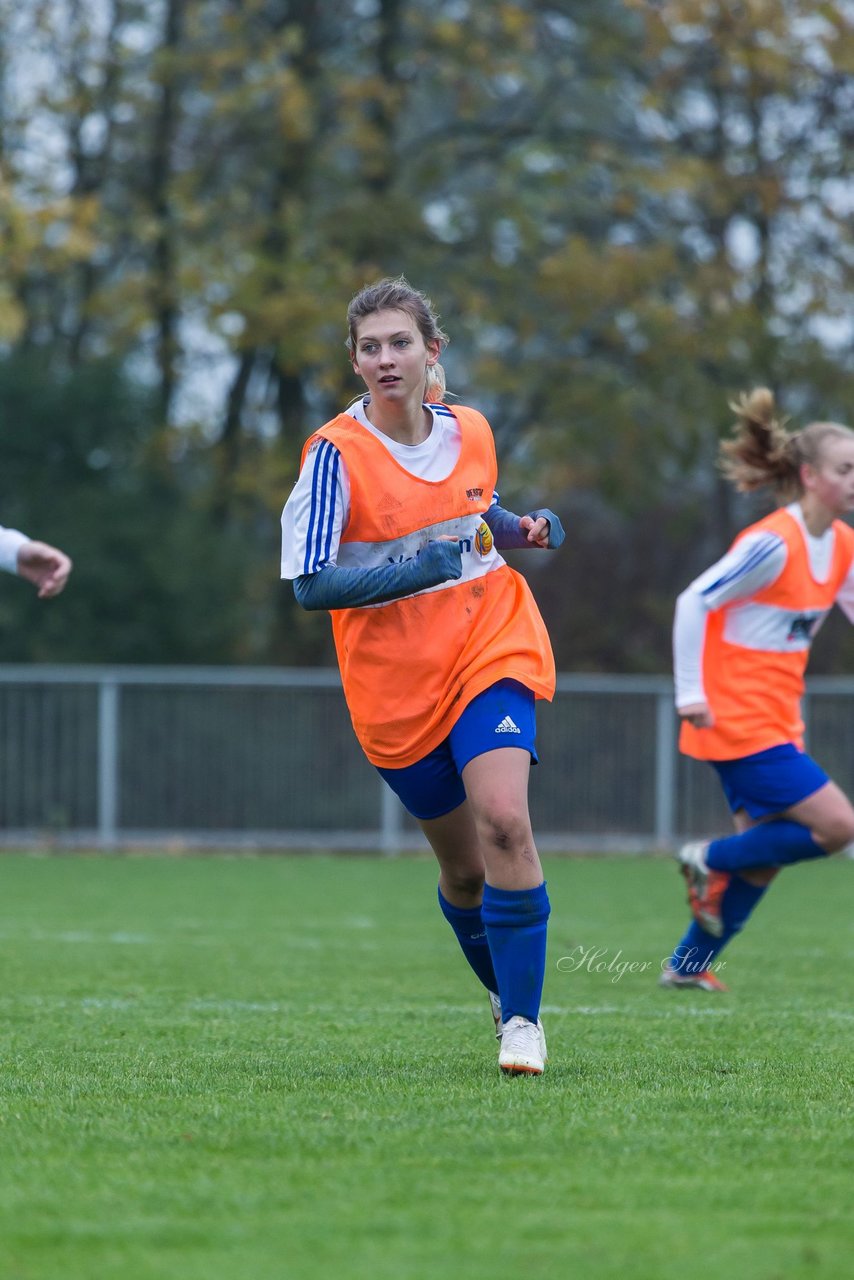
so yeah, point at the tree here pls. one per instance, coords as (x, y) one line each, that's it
(612, 203)
(150, 583)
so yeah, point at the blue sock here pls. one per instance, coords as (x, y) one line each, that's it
(516, 924)
(697, 949)
(769, 844)
(467, 924)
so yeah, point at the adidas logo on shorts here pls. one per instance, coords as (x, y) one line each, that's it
(507, 726)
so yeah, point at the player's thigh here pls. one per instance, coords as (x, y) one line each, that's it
(496, 784)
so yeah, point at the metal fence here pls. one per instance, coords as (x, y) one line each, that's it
(266, 758)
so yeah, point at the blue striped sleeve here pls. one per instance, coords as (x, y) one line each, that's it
(318, 542)
(753, 557)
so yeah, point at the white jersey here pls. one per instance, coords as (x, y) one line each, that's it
(319, 504)
(754, 563)
(11, 542)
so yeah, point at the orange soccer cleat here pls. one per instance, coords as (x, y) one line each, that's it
(703, 981)
(706, 888)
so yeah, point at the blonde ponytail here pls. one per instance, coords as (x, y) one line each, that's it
(435, 386)
(761, 451)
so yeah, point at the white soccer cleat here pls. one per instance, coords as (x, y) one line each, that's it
(521, 1052)
(495, 1006)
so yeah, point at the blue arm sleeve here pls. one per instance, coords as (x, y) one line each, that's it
(509, 537)
(336, 588)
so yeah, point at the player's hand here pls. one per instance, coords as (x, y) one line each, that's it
(542, 529)
(45, 566)
(537, 531)
(698, 714)
(445, 555)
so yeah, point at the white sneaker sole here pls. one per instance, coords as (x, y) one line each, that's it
(515, 1068)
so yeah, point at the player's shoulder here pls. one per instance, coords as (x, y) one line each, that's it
(326, 440)
(316, 442)
(756, 537)
(318, 454)
(772, 534)
(466, 415)
(845, 534)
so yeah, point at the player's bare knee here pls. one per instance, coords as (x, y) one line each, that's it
(507, 833)
(836, 835)
(466, 881)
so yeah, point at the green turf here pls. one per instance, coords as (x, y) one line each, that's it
(281, 1067)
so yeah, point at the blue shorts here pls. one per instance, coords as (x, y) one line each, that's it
(502, 716)
(770, 781)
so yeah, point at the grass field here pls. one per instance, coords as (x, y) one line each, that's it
(281, 1067)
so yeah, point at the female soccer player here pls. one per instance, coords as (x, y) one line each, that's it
(742, 636)
(45, 566)
(394, 526)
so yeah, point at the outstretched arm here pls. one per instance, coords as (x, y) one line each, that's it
(335, 588)
(536, 529)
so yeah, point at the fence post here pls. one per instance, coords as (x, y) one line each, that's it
(108, 762)
(391, 821)
(665, 770)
